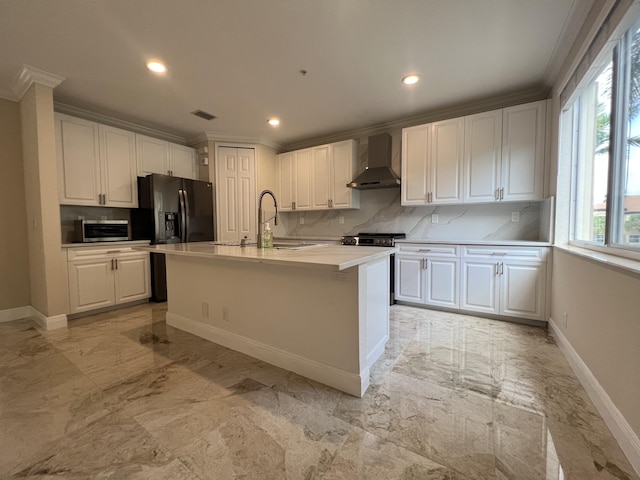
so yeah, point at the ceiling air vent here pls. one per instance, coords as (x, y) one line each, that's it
(203, 114)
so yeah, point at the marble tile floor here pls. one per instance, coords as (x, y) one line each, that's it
(121, 395)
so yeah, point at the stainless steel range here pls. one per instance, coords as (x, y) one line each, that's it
(373, 239)
(378, 240)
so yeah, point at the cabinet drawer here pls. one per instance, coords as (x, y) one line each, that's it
(526, 254)
(426, 249)
(74, 254)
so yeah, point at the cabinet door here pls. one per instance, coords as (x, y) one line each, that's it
(523, 140)
(443, 282)
(286, 177)
(302, 183)
(320, 176)
(91, 284)
(78, 161)
(118, 160)
(480, 291)
(132, 278)
(523, 290)
(152, 155)
(183, 161)
(482, 156)
(447, 144)
(415, 168)
(344, 158)
(410, 279)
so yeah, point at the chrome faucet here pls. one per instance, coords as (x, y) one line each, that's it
(260, 221)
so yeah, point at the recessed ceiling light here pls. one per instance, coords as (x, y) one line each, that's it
(411, 79)
(274, 122)
(156, 66)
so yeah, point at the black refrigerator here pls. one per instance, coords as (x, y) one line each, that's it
(171, 210)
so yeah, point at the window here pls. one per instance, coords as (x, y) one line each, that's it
(606, 151)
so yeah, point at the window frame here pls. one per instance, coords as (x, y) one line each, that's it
(616, 186)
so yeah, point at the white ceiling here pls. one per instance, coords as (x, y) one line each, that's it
(240, 59)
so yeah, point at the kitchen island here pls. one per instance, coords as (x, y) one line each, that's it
(320, 311)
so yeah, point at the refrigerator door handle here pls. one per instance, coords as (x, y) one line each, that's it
(187, 213)
(183, 214)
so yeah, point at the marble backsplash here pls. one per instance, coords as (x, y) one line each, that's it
(380, 211)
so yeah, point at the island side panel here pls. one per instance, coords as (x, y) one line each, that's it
(374, 294)
(305, 320)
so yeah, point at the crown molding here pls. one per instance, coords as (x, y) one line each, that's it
(29, 75)
(222, 137)
(454, 111)
(8, 95)
(116, 122)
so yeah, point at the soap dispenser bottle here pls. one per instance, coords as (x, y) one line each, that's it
(267, 236)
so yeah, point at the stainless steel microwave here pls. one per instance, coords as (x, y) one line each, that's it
(101, 230)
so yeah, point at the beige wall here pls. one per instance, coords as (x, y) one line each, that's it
(14, 252)
(602, 302)
(603, 325)
(47, 267)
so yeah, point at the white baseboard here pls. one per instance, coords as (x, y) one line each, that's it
(16, 313)
(350, 383)
(620, 428)
(49, 323)
(377, 351)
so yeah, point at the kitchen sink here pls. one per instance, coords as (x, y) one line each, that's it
(296, 245)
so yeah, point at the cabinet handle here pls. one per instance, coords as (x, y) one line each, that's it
(424, 264)
(112, 264)
(502, 193)
(116, 260)
(109, 252)
(501, 267)
(498, 254)
(496, 194)
(430, 197)
(293, 205)
(424, 250)
(497, 268)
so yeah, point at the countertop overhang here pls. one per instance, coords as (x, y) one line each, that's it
(334, 257)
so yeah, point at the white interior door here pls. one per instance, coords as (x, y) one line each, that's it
(227, 194)
(247, 202)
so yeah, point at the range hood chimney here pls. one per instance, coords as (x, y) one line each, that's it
(378, 173)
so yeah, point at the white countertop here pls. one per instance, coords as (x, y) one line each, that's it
(127, 243)
(514, 243)
(335, 257)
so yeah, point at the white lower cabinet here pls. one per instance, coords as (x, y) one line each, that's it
(427, 275)
(494, 280)
(102, 277)
(509, 281)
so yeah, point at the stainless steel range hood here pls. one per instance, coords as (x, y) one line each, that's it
(378, 173)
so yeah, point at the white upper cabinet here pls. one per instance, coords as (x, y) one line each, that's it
(159, 156)
(183, 161)
(415, 167)
(447, 146)
(118, 153)
(523, 140)
(302, 180)
(432, 163)
(96, 164)
(78, 155)
(286, 168)
(316, 178)
(343, 161)
(321, 173)
(153, 156)
(487, 157)
(482, 156)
